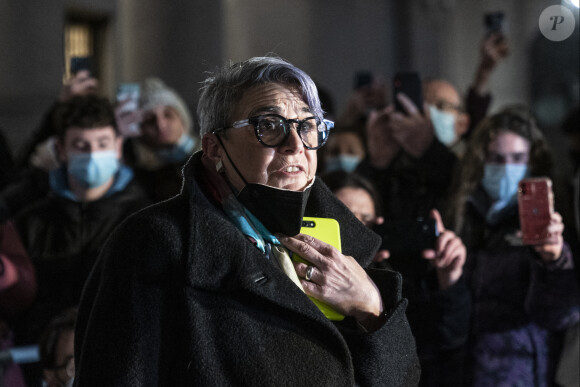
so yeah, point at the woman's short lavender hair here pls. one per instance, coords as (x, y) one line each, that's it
(221, 91)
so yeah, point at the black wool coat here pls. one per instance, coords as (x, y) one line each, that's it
(180, 297)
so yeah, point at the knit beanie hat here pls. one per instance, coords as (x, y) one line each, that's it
(155, 93)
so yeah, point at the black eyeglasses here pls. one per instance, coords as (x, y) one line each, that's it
(272, 130)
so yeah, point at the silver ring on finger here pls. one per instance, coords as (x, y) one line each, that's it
(309, 271)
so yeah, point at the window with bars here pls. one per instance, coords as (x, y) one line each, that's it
(78, 43)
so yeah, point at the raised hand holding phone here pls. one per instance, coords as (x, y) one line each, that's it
(449, 254)
(541, 226)
(413, 131)
(127, 110)
(409, 84)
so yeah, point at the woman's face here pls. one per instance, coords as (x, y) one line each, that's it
(359, 202)
(346, 143)
(162, 127)
(290, 166)
(508, 148)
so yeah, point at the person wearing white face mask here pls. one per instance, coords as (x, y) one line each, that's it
(524, 297)
(450, 122)
(89, 195)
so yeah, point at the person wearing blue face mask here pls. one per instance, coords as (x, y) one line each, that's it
(343, 152)
(524, 297)
(166, 141)
(90, 194)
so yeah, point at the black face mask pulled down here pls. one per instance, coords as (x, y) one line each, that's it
(279, 210)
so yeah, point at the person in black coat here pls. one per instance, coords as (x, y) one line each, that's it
(201, 290)
(90, 194)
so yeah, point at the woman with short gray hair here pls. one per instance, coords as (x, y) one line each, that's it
(201, 289)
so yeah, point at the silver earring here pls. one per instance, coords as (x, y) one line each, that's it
(219, 166)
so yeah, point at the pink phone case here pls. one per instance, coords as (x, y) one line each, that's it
(536, 206)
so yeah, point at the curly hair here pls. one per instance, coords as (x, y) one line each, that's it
(516, 119)
(85, 112)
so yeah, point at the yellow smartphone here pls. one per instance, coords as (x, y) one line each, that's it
(327, 230)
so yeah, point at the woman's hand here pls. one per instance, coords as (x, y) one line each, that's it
(552, 249)
(82, 83)
(382, 147)
(448, 256)
(336, 279)
(412, 131)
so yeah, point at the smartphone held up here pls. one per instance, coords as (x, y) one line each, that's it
(128, 95)
(408, 83)
(535, 207)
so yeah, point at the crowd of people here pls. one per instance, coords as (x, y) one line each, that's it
(168, 257)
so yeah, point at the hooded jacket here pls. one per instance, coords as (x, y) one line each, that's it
(180, 297)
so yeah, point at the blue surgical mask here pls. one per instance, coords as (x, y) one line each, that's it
(178, 152)
(93, 169)
(500, 181)
(444, 125)
(347, 163)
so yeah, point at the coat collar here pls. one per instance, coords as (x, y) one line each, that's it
(221, 259)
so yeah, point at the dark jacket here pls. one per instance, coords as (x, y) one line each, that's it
(160, 179)
(410, 187)
(520, 303)
(180, 297)
(63, 238)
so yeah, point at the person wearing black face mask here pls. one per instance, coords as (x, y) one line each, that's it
(200, 289)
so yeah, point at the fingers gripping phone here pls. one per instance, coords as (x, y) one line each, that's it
(327, 230)
(408, 83)
(128, 95)
(78, 63)
(535, 206)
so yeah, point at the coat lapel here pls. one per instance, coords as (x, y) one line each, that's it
(233, 264)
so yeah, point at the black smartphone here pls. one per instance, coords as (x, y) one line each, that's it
(362, 78)
(78, 63)
(408, 236)
(408, 83)
(493, 22)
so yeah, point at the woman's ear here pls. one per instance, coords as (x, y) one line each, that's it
(211, 147)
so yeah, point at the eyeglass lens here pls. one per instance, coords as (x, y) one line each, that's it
(273, 130)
